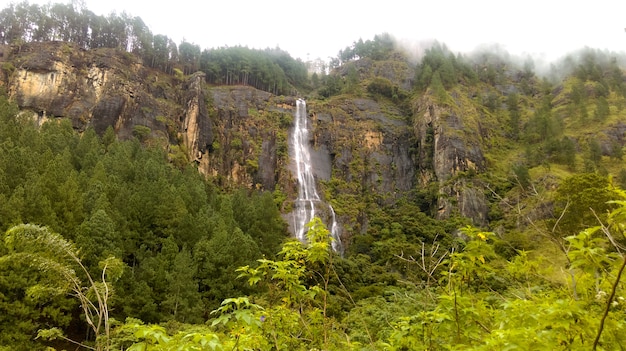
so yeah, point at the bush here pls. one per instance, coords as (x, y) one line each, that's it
(8, 68)
(141, 132)
(381, 86)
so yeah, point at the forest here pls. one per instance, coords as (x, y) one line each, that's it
(111, 244)
(271, 69)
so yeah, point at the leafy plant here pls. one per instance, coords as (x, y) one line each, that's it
(48, 252)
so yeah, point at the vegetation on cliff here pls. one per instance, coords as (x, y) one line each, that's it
(480, 201)
(273, 70)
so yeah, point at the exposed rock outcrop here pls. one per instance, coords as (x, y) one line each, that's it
(247, 137)
(369, 149)
(235, 133)
(449, 146)
(98, 88)
(197, 128)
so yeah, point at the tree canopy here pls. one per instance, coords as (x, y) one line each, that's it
(273, 70)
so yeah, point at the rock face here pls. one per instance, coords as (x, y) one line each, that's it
(368, 149)
(235, 133)
(366, 152)
(197, 128)
(450, 147)
(396, 70)
(244, 146)
(98, 88)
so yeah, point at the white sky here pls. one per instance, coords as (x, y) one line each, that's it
(548, 28)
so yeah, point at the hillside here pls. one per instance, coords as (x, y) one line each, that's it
(474, 195)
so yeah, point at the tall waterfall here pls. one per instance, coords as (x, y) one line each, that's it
(308, 204)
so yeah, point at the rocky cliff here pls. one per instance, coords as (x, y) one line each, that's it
(97, 88)
(250, 146)
(367, 155)
(367, 151)
(450, 147)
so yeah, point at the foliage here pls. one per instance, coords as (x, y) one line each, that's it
(377, 49)
(332, 85)
(528, 311)
(300, 281)
(408, 281)
(179, 238)
(381, 86)
(141, 132)
(481, 301)
(23, 313)
(54, 257)
(294, 316)
(441, 66)
(272, 70)
(582, 201)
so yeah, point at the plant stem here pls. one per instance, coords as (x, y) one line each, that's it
(608, 304)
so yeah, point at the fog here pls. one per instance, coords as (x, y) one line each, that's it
(544, 30)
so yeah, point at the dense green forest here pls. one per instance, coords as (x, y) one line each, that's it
(120, 199)
(110, 244)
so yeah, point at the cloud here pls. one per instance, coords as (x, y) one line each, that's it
(548, 29)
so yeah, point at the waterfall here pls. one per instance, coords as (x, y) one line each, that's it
(308, 204)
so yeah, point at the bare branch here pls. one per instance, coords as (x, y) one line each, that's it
(560, 217)
(608, 304)
(608, 234)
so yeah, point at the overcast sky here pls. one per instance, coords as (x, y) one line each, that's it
(321, 28)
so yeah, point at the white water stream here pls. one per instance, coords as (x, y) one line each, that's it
(308, 204)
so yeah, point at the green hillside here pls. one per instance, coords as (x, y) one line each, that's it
(144, 187)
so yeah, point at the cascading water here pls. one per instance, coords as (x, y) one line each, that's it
(308, 202)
